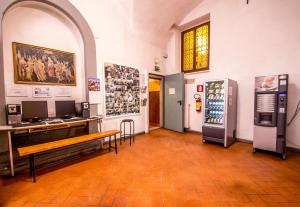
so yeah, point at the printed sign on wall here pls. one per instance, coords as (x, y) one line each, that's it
(41, 92)
(199, 88)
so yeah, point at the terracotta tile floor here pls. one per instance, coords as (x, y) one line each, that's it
(163, 168)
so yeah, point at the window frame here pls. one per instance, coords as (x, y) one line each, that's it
(194, 49)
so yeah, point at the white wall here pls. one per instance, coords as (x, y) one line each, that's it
(36, 27)
(260, 38)
(174, 52)
(115, 43)
(111, 24)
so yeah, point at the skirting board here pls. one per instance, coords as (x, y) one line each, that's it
(244, 140)
(193, 131)
(154, 128)
(139, 133)
(293, 149)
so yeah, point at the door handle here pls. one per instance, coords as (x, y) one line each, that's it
(180, 102)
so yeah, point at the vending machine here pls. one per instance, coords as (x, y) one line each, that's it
(270, 111)
(220, 111)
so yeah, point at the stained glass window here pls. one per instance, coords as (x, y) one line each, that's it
(188, 50)
(195, 49)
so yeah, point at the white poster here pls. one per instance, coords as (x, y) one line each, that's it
(94, 90)
(41, 92)
(143, 79)
(16, 91)
(171, 91)
(94, 97)
(63, 92)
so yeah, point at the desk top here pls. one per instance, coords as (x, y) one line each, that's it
(49, 125)
(5, 128)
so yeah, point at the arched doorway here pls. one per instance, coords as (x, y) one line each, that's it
(65, 8)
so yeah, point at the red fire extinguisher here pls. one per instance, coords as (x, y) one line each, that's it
(197, 97)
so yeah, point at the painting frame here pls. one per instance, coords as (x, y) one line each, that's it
(66, 54)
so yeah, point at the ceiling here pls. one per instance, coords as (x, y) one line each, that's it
(152, 19)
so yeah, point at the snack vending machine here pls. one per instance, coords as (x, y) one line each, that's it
(270, 110)
(220, 111)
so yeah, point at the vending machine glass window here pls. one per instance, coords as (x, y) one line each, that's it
(214, 105)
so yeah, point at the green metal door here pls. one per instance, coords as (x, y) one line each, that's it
(174, 102)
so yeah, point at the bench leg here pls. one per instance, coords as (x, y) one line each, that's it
(32, 168)
(109, 143)
(116, 146)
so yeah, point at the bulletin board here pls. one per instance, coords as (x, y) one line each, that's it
(122, 90)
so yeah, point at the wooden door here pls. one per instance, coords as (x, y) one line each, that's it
(154, 104)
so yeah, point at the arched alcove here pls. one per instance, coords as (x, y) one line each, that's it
(70, 17)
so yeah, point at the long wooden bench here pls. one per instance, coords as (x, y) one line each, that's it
(34, 149)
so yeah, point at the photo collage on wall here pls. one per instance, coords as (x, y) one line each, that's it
(122, 87)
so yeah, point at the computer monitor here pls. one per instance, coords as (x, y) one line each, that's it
(65, 109)
(34, 110)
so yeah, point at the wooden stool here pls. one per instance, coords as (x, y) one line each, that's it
(123, 132)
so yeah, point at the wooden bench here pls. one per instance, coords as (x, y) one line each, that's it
(34, 149)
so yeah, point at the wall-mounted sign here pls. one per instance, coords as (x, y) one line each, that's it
(16, 91)
(94, 84)
(171, 91)
(63, 92)
(199, 88)
(143, 89)
(94, 90)
(41, 92)
(144, 102)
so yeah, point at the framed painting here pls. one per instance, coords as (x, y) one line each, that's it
(41, 65)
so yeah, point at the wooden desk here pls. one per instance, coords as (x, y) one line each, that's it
(44, 127)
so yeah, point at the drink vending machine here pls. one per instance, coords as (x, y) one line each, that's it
(220, 111)
(270, 113)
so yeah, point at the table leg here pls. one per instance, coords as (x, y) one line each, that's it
(11, 157)
(31, 159)
(100, 125)
(99, 128)
(116, 146)
(87, 128)
(30, 166)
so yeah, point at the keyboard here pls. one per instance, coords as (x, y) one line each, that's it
(55, 122)
(27, 124)
(74, 119)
